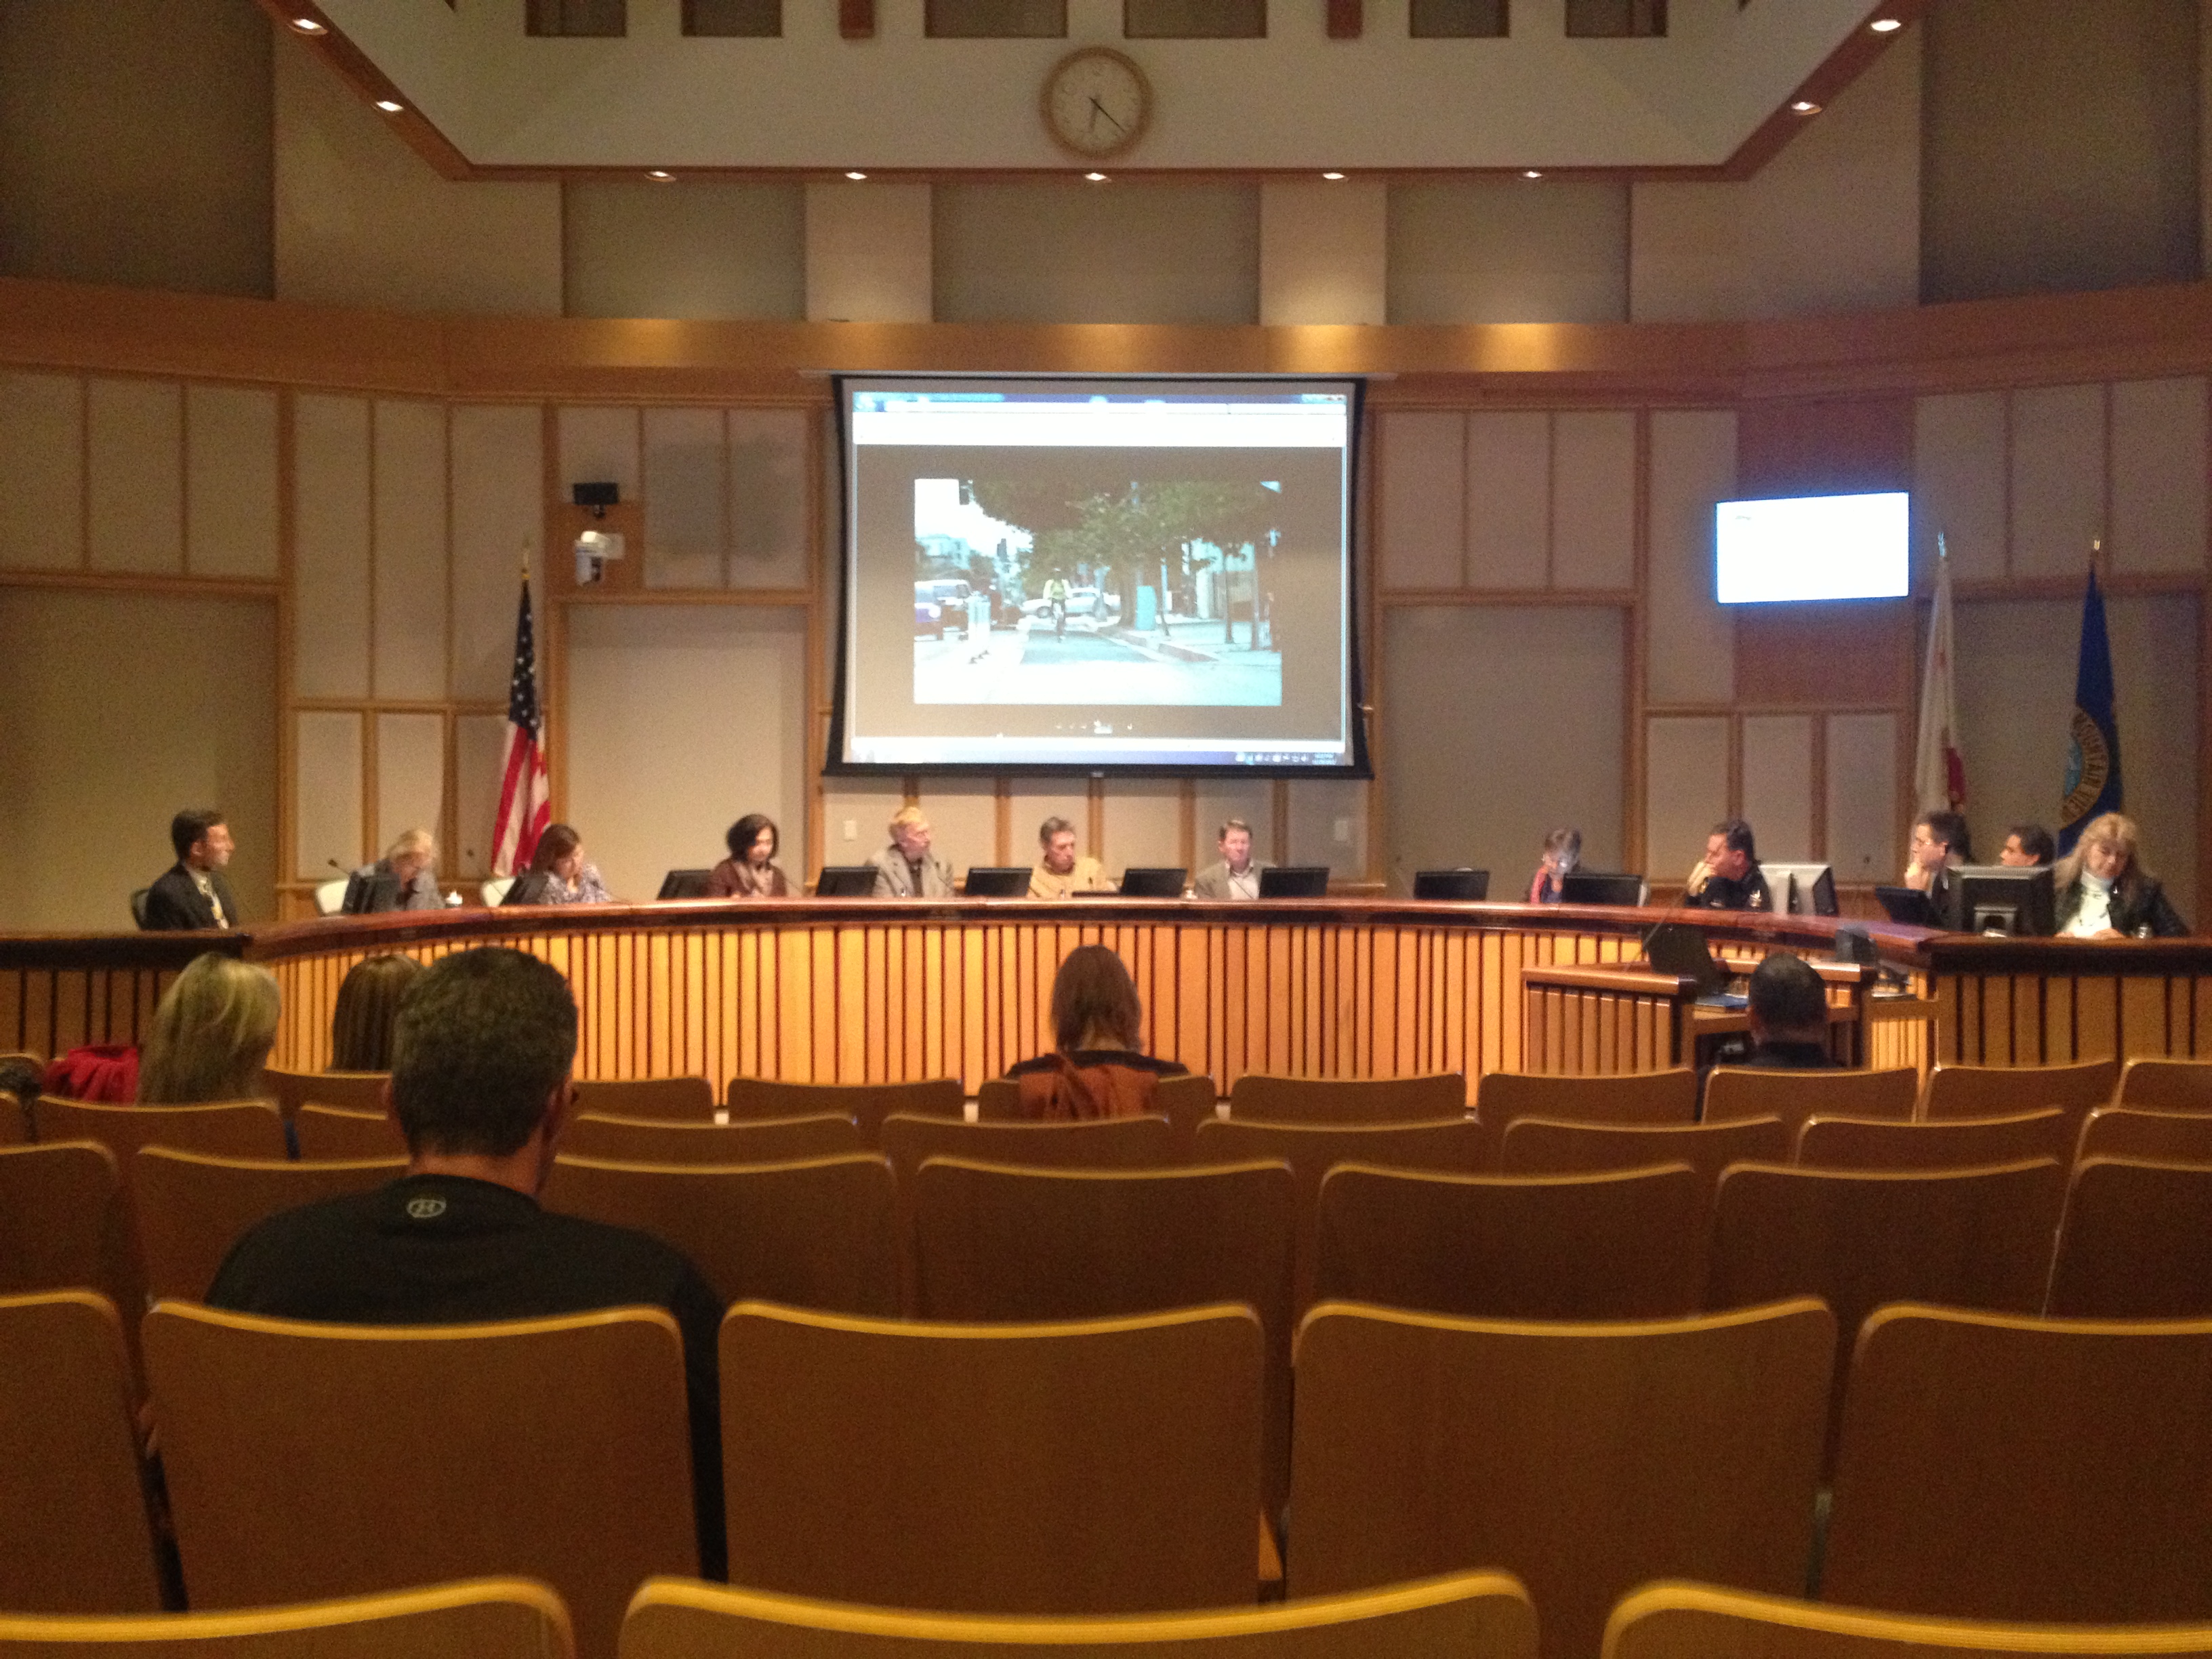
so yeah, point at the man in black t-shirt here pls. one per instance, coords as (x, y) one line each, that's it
(480, 1053)
(1788, 1010)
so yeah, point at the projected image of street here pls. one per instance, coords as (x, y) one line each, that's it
(1155, 594)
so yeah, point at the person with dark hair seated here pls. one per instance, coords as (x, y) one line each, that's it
(2103, 892)
(1940, 843)
(2026, 846)
(191, 894)
(480, 1083)
(367, 1008)
(1788, 1008)
(1728, 877)
(561, 874)
(751, 870)
(1098, 1068)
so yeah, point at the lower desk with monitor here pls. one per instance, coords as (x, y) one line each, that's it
(1802, 889)
(2004, 898)
(1153, 882)
(1601, 887)
(1294, 881)
(1463, 885)
(997, 881)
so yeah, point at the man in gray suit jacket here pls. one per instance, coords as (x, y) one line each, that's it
(905, 869)
(1238, 875)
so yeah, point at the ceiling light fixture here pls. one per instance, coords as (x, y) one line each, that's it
(1096, 177)
(1886, 25)
(390, 106)
(1805, 107)
(856, 175)
(1332, 177)
(308, 25)
(1531, 172)
(661, 175)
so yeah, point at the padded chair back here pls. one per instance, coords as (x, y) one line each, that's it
(1108, 1466)
(1348, 1099)
(1996, 1090)
(359, 1091)
(1185, 1100)
(234, 1129)
(689, 1097)
(1105, 1143)
(1995, 1468)
(2136, 1243)
(1700, 1621)
(1471, 1613)
(483, 1617)
(1584, 1458)
(1539, 1145)
(74, 1536)
(1625, 1244)
(815, 1233)
(326, 1132)
(994, 1242)
(1859, 1143)
(2160, 1136)
(1734, 1093)
(2166, 1085)
(62, 1219)
(686, 1140)
(1503, 1098)
(556, 1449)
(866, 1103)
(193, 1208)
(1451, 1145)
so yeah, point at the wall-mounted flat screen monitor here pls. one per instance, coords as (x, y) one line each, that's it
(1097, 574)
(1802, 889)
(1157, 881)
(998, 881)
(1601, 887)
(2001, 898)
(1813, 547)
(1294, 881)
(1468, 886)
(846, 881)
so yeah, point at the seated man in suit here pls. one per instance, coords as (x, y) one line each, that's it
(481, 1052)
(1940, 845)
(1727, 877)
(906, 868)
(192, 893)
(2028, 845)
(1238, 875)
(1059, 871)
(1789, 1011)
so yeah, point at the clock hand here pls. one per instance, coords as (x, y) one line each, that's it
(1101, 109)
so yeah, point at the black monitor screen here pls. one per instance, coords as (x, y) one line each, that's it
(686, 884)
(992, 881)
(369, 894)
(1468, 886)
(1585, 887)
(1998, 898)
(1295, 881)
(1141, 883)
(846, 881)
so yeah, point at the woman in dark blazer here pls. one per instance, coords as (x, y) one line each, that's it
(2104, 893)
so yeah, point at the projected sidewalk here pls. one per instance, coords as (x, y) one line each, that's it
(1028, 665)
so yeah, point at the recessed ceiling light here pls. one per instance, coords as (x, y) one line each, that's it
(661, 175)
(308, 25)
(1096, 177)
(1332, 175)
(856, 175)
(1806, 106)
(1886, 25)
(1531, 172)
(389, 106)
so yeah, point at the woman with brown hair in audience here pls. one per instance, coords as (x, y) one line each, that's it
(368, 1002)
(1098, 1068)
(212, 1035)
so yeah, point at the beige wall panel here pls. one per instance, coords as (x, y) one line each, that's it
(1508, 499)
(134, 446)
(410, 779)
(1469, 777)
(1508, 251)
(1144, 825)
(2155, 667)
(117, 709)
(499, 513)
(1322, 251)
(1865, 842)
(1028, 805)
(2057, 479)
(1329, 825)
(230, 481)
(1688, 259)
(660, 763)
(1691, 648)
(2159, 463)
(856, 813)
(362, 220)
(1958, 484)
(1777, 784)
(479, 768)
(769, 532)
(326, 814)
(1420, 523)
(694, 248)
(685, 531)
(1254, 801)
(41, 471)
(1593, 499)
(410, 568)
(867, 252)
(330, 547)
(600, 445)
(964, 823)
(1685, 792)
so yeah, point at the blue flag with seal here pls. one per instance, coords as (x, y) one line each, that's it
(2092, 759)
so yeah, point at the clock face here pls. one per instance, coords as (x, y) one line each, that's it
(1097, 103)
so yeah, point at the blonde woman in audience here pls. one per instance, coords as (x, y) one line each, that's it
(212, 1035)
(368, 1003)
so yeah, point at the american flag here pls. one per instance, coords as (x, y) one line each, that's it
(525, 803)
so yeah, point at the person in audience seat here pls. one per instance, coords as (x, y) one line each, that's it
(1789, 1012)
(1238, 875)
(1099, 1068)
(368, 1004)
(750, 871)
(907, 868)
(1059, 871)
(211, 1033)
(1728, 877)
(481, 1057)
(192, 893)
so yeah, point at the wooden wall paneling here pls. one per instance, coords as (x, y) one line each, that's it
(1143, 824)
(2158, 445)
(1961, 484)
(135, 467)
(1420, 533)
(327, 781)
(42, 445)
(1593, 499)
(411, 776)
(1688, 792)
(2096, 1019)
(2145, 1023)
(1029, 802)
(1691, 639)
(1776, 789)
(2057, 479)
(231, 485)
(597, 444)
(498, 504)
(1861, 810)
(330, 573)
(1329, 825)
(1507, 513)
(408, 568)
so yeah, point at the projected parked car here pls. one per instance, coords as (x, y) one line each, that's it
(940, 605)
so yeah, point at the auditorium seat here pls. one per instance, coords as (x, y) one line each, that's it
(2161, 1136)
(1584, 1458)
(1104, 1466)
(2166, 1085)
(233, 1128)
(1858, 1143)
(2021, 1468)
(994, 1243)
(1449, 1146)
(1473, 1615)
(1735, 1093)
(1625, 1244)
(2136, 1243)
(689, 1140)
(340, 1132)
(1540, 1145)
(62, 1219)
(816, 1232)
(866, 1103)
(647, 1097)
(74, 1535)
(1110, 1143)
(554, 1449)
(482, 1618)
(1502, 1098)
(1995, 1091)
(1185, 1101)
(191, 1208)
(1703, 1621)
(360, 1091)
(1348, 1099)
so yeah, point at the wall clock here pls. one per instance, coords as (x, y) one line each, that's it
(1097, 103)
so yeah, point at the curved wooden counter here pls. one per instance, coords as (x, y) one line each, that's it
(859, 990)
